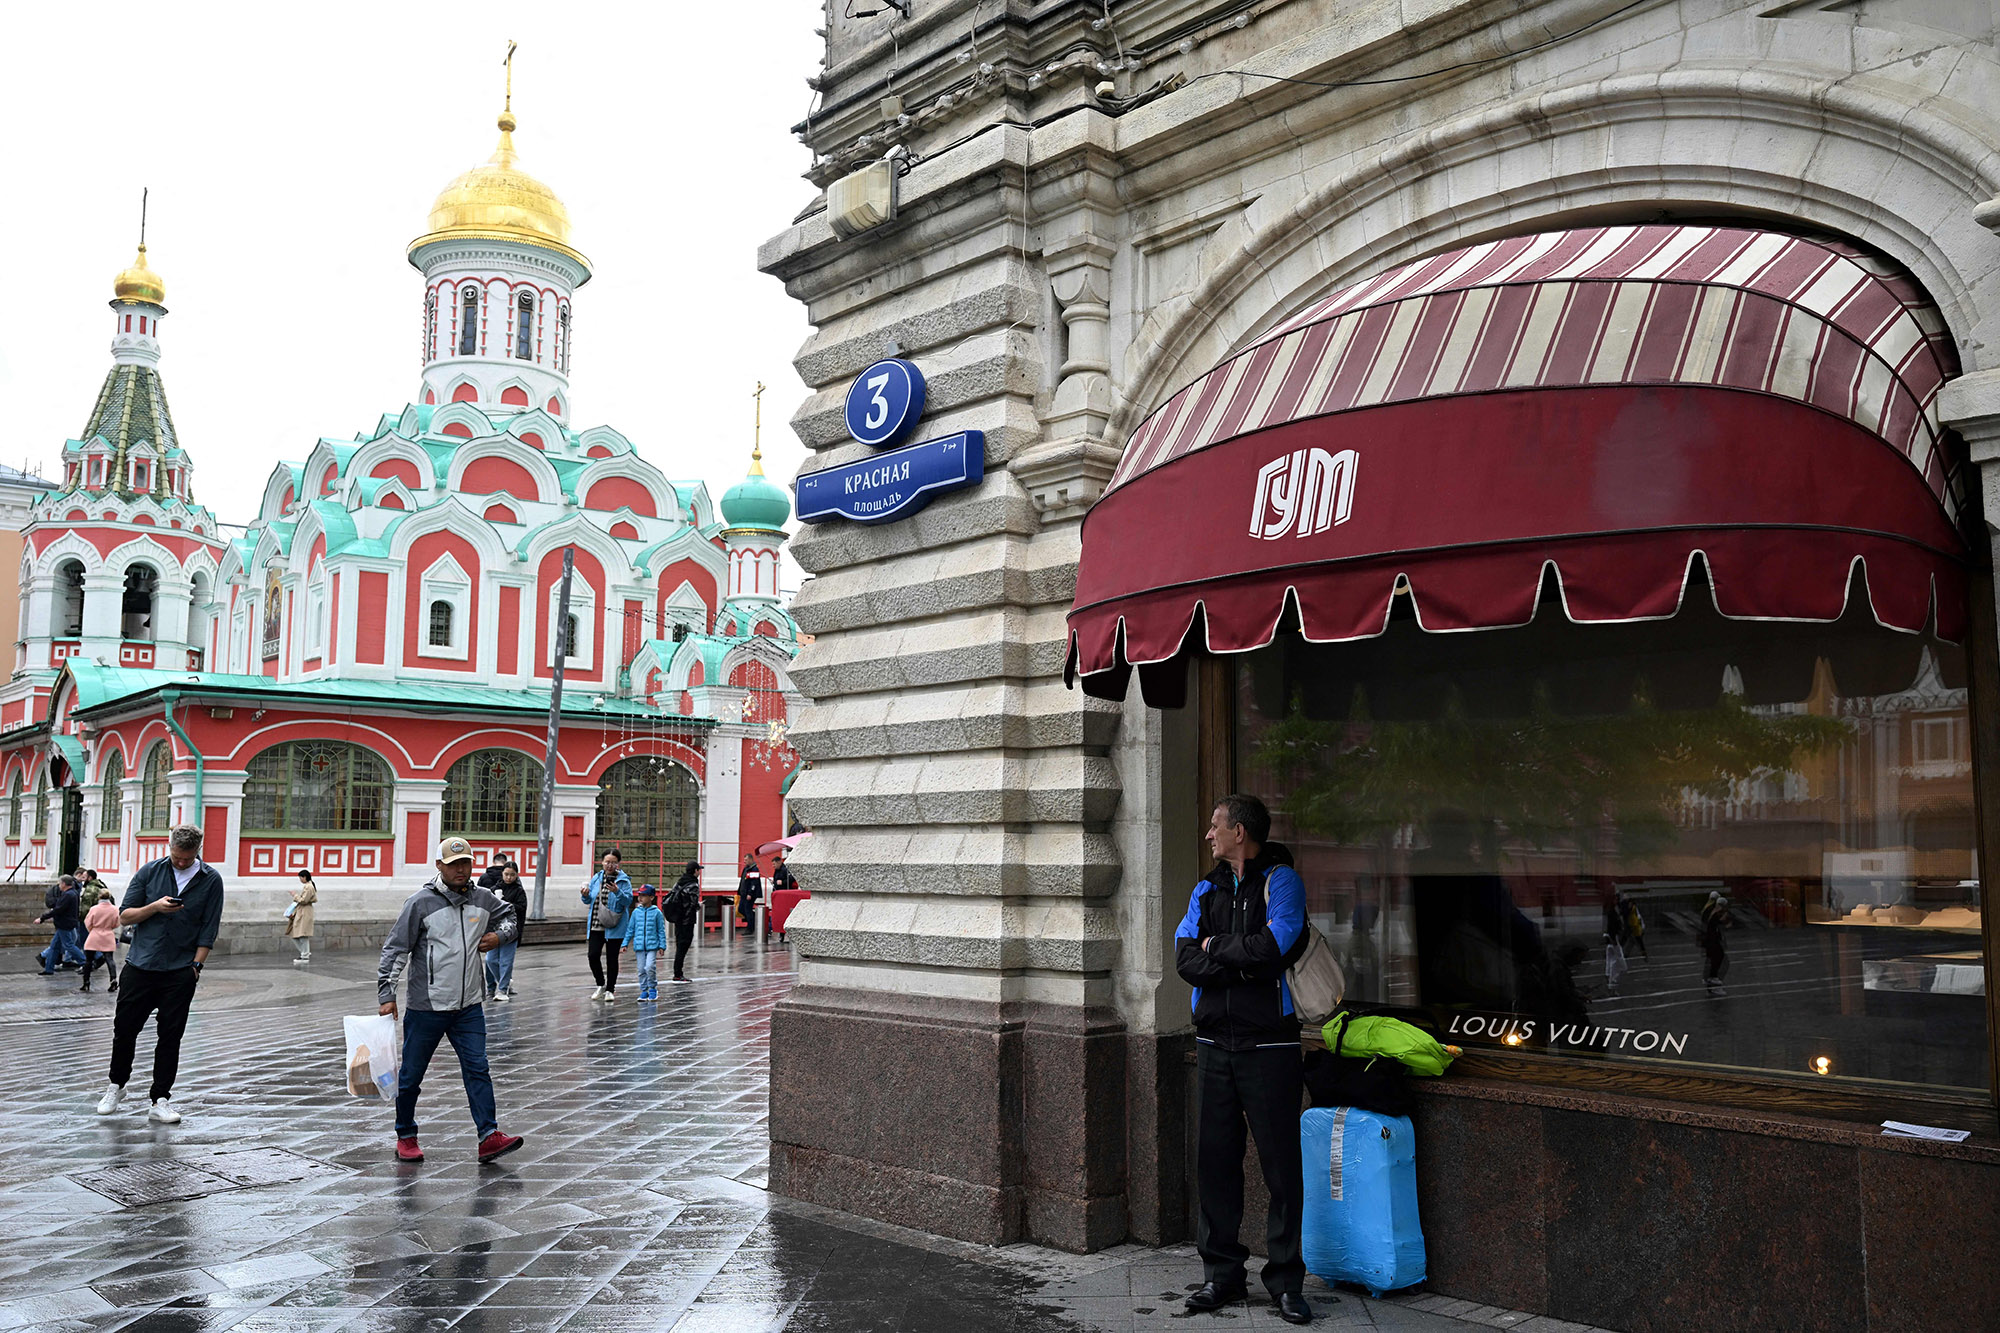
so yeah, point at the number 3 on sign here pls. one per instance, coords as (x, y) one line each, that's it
(885, 403)
(878, 406)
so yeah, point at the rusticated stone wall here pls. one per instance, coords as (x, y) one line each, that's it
(988, 1039)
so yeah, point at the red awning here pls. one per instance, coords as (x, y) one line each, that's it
(1611, 404)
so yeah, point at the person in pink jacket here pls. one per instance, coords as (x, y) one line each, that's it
(101, 944)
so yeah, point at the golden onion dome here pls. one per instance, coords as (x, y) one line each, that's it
(498, 201)
(140, 283)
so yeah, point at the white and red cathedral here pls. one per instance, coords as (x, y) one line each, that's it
(367, 666)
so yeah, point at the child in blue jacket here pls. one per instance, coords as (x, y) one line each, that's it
(645, 936)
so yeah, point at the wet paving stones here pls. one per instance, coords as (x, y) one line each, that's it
(637, 1204)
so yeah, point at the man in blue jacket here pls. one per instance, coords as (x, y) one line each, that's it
(1233, 947)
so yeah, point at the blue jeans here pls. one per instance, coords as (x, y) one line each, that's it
(64, 944)
(649, 969)
(500, 967)
(466, 1030)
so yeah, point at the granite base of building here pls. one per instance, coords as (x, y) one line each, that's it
(985, 1122)
(1657, 1217)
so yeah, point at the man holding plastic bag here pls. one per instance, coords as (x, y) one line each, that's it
(439, 937)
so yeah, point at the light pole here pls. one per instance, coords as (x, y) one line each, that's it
(563, 647)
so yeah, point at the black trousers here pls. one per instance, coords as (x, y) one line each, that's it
(604, 961)
(108, 957)
(143, 992)
(1264, 1088)
(683, 937)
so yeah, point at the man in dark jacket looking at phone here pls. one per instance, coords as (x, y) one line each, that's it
(1233, 947)
(174, 906)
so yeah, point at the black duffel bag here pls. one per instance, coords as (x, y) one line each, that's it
(1376, 1084)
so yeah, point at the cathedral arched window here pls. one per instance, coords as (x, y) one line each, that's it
(14, 808)
(154, 812)
(42, 804)
(111, 808)
(468, 321)
(650, 809)
(569, 636)
(317, 787)
(69, 600)
(431, 327)
(441, 624)
(524, 327)
(495, 793)
(562, 341)
(141, 583)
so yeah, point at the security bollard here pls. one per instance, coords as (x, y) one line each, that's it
(763, 924)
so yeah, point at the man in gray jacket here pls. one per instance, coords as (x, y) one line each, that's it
(439, 937)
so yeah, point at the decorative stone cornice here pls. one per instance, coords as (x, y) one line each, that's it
(1064, 477)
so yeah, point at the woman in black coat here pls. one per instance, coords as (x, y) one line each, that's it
(683, 910)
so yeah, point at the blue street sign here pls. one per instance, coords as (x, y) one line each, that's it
(894, 484)
(885, 402)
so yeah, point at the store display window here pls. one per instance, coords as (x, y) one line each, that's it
(1742, 845)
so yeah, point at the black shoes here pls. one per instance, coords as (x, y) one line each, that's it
(1292, 1308)
(1212, 1297)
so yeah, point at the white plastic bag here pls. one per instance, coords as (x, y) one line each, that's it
(372, 1054)
(1615, 966)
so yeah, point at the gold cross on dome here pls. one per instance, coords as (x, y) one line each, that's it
(757, 428)
(508, 105)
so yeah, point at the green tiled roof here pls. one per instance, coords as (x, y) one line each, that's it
(132, 406)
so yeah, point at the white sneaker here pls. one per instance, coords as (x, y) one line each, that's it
(108, 1103)
(597, 994)
(163, 1112)
(610, 996)
(297, 961)
(501, 997)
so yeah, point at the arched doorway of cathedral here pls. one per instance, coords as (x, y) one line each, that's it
(649, 809)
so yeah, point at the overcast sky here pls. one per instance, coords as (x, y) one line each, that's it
(293, 153)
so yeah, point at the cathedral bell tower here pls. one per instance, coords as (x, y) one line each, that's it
(499, 273)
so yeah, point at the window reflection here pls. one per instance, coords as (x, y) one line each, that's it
(1730, 843)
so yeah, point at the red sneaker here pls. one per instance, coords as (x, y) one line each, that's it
(408, 1151)
(496, 1143)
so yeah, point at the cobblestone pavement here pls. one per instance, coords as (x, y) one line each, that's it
(638, 1202)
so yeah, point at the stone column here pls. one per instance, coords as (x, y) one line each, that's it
(34, 628)
(103, 606)
(721, 807)
(951, 1058)
(412, 861)
(170, 622)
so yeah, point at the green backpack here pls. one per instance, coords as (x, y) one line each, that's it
(1364, 1035)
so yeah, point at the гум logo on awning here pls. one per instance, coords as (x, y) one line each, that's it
(1308, 489)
